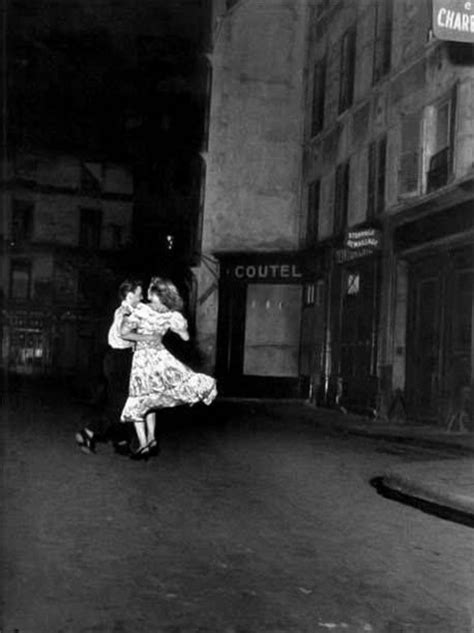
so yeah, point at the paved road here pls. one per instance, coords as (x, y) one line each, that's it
(244, 524)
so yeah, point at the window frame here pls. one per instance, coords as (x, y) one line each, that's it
(27, 227)
(347, 69)
(411, 156)
(87, 212)
(444, 156)
(376, 176)
(22, 265)
(341, 197)
(383, 31)
(313, 210)
(319, 95)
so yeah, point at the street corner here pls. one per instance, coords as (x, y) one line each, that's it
(443, 487)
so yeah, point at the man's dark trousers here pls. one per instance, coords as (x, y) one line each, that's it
(117, 367)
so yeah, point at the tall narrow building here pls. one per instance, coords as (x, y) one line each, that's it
(250, 277)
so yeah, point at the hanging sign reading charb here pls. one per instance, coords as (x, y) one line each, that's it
(453, 20)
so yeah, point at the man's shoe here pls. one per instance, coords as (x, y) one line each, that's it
(122, 448)
(85, 442)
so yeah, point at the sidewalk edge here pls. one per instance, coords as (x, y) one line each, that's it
(428, 494)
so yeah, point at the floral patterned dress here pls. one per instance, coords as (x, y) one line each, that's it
(158, 379)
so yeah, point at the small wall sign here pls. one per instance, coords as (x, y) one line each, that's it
(267, 272)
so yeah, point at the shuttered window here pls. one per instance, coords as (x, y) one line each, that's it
(346, 80)
(319, 90)
(441, 161)
(383, 38)
(409, 174)
(341, 197)
(376, 177)
(313, 213)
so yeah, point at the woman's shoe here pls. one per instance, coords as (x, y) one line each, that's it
(153, 448)
(142, 453)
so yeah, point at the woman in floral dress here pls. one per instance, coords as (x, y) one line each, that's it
(158, 379)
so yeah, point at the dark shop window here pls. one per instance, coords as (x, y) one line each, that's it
(90, 228)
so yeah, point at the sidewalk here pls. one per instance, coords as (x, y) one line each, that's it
(444, 487)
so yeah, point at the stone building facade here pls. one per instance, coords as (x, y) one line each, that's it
(388, 176)
(250, 279)
(64, 221)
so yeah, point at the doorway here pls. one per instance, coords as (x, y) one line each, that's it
(439, 334)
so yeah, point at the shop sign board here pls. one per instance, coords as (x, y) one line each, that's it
(453, 20)
(359, 243)
(267, 272)
(266, 268)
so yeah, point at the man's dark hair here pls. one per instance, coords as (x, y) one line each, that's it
(129, 285)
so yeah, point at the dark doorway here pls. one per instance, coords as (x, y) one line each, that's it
(439, 334)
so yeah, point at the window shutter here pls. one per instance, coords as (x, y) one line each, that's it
(346, 81)
(381, 165)
(313, 212)
(341, 197)
(371, 181)
(319, 89)
(452, 128)
(410, 153)
(383, 38)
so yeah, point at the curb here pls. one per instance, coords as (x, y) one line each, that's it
(450, 506)
(427, 442)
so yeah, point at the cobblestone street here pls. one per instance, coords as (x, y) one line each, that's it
(243, 524)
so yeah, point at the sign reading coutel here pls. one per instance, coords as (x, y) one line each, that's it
(268, 272)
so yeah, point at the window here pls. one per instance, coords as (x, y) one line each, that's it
(441, 160)
(90, 228)
(353, 283)
(22, 220)
(20, 280)
(341, 197)
(383, 38)
(410, 153)
(117, 235)
(313, 213)
(319, 89)
(376, 177)
(309, 297)
(346, 80)
(314, 294)
(91, 176)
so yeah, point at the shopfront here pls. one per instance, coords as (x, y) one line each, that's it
(258, 345)
(438, 252)
(27, 342)
(353, 322)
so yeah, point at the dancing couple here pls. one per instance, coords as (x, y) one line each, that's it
(137, 358)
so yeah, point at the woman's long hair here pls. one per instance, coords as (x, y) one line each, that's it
(167, 292)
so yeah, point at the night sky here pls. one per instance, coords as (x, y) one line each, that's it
(120, 79)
